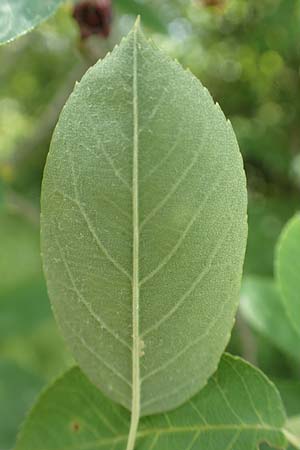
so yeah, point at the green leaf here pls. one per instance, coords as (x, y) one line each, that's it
(238, 409)
(144, 227)
(262, 307)
(17, 17)
(288, 269)
(18, 389)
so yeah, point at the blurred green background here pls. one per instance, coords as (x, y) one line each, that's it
(247, 53)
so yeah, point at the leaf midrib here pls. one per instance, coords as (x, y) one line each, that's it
(135, 217)
(136, 383)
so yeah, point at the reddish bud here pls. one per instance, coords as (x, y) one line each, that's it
(93, 17)
(218, 3)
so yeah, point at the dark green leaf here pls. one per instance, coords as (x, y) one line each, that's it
(237, 410)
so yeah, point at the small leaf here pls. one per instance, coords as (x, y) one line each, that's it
(17, 17)
(288, 269)
(237, 410)
(144, 227)
(262, 307)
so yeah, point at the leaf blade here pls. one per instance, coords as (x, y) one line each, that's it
(207, 420)
(189, 185)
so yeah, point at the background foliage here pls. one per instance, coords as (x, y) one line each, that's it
(247, 54)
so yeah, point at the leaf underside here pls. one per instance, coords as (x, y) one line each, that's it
(144, 227)
(237, 410)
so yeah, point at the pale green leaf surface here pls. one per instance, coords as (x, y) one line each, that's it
(262, 307)
(288, 269)
(237, 410)
(144, 227)
(17, 17)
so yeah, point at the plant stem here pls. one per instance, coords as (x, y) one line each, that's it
(135, 417)
(292, 439)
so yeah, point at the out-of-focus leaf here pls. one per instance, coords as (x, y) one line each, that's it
(43, 350)
(17, 17)
(148, 13)
(261, 305)
(20, 253)
(238, 409)
(267, 216)
(290, 394)
(22, 308)
(18, 389)
(26, 334)
(2, 200)
(287, 265)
